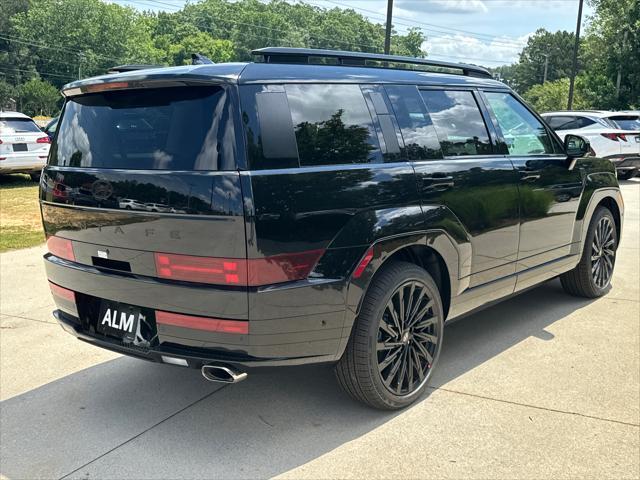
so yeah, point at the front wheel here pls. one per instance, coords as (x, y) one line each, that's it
(396, 340)
(592, 276)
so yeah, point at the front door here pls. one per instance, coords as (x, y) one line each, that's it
(549, 191)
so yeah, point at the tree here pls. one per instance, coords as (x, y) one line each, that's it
(553, 96)
(7, 92)
(38, 97)
(543, 46)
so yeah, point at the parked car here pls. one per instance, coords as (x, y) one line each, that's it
(157, 207)
(612, 135)
(131, 204)
(340, 210)
(23, 146)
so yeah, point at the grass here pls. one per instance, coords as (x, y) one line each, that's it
(20, 224)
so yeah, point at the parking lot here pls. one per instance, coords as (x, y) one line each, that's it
(543, 385)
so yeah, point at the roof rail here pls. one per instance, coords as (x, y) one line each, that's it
(303, 55)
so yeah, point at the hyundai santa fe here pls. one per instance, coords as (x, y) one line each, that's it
(317, 207)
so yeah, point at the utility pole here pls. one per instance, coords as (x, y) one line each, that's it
(619, 79)
(387, 33)
(576, 47)
(546, 68)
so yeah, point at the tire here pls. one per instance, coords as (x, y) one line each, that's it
(417, 345)
(587, 279)
(35, 177)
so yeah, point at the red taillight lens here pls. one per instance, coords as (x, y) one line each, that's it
(63, 293)
(236, 271)
(282, 268)
(202, 323)
(363, 263)
(201, 269)
(43, 140)
(615, 136)
(61, 247)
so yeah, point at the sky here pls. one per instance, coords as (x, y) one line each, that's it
(487, 32)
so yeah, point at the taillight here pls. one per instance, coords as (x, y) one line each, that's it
(43, 140)
(202, 323)
(201, 269)
(63, 293)
(61, 247)
(615, 136)
(282, 268)
(235, 271)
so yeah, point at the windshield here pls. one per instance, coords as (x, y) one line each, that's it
(626, 122)
(17, 125)
(178, 128)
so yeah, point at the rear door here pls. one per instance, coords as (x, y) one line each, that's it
(467, 176)
(549, 191)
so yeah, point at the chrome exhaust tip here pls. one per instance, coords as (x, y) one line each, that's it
(222, 373)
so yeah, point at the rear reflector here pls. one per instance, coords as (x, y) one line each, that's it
(236, 271)
(202, 323)
(363, 263)
(61, 247)
(63, 293)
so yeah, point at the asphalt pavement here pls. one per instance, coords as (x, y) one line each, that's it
(543, 385)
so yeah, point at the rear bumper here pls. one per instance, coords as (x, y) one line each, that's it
(28, 162)
(629, 162)
(168, 354)
(303, 335)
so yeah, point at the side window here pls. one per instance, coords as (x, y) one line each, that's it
(418, 132)
(584, 122)
(562, 123)
(332, 125)
(458, 122)
(523, 133)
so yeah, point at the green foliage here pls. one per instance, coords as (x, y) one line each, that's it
(38, 97)
(530, 69)
(7, 91)
(552, 96)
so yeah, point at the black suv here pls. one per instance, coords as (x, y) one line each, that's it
(316, 206)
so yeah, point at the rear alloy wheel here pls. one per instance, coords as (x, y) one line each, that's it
(396, 340)
(592, 276)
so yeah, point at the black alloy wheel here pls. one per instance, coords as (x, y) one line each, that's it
(407, 338)
(603, 252)
(396, 340)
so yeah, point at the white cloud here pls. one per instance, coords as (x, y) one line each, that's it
(462, 48)
(443, 6)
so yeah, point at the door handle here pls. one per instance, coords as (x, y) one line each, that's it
(531, 177)
(438, 182)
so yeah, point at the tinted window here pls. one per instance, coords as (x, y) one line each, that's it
(420, 139)
(523, 133)
(332, 125)
(17, 125)
(182, 128)
(582, 122)
(629, 122)
(561, 123)
(458, 122)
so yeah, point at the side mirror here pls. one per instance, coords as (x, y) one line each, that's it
(576, 146)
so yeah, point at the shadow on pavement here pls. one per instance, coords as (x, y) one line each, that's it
(276, 420)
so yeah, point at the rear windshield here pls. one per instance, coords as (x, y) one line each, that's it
(179, 128)
(17, 125)
(627, 122)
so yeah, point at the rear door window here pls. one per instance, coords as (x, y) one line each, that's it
(180, 128)
(332, 125)
(523, 133)
(458, 122)
(418, 132)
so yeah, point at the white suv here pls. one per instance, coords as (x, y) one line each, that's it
(23, 146)
(612, 135)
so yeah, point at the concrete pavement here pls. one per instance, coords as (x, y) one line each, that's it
(541, 386)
